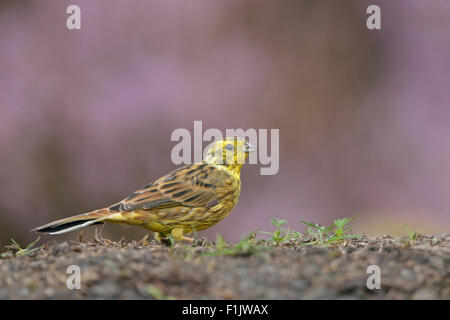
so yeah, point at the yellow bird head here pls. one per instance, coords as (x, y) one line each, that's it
(230, 152)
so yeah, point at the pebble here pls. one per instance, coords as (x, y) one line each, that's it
(299, 285)
(4, 294)
(105, 290)
(407, 274)
(424, 294)
(437, 262)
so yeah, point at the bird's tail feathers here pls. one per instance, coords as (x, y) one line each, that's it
(76, 222)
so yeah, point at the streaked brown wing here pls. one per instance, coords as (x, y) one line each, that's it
(195, 185)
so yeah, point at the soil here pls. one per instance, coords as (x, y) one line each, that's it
(410, 269)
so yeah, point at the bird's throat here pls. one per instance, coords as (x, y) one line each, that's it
(234, 168)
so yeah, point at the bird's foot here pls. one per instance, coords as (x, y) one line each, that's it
(178, 235)
(163, 240)
(98, 236)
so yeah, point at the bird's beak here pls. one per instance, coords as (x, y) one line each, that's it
(248, 147)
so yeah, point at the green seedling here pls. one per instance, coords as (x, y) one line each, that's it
(412, 235)
(15, 250)
(246, 246)
(281, 235)
(337, 232)
(157, 293)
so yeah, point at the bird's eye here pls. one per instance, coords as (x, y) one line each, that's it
(229, 147)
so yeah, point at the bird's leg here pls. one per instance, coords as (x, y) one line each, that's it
(162, 239)
(98, 236)
(177, 234)
(144, 241)
(157, 237)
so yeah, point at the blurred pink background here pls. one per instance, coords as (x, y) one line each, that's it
(86, 116)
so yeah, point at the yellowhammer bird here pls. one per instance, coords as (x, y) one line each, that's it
(191, 198)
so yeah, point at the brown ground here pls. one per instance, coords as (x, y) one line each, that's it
(410, 269)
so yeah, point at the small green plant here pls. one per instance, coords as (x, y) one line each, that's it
(15, 250)
(412, 235)
(157, 293)
(281, 235)
(337, 232)
(246, 246)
